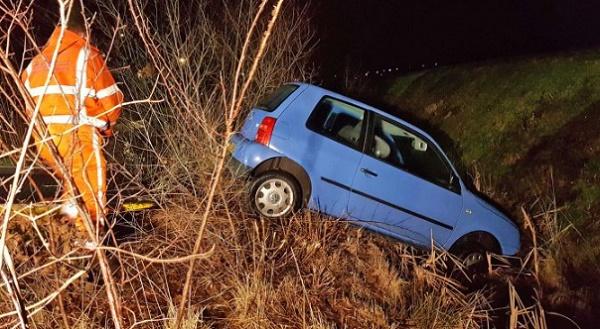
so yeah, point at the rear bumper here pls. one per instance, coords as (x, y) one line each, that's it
(247, 155)
(238, 169)
(235, 166)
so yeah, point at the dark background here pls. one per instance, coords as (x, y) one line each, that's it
(379, 34)
(357, 36)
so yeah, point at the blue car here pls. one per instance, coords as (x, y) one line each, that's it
(304, 146)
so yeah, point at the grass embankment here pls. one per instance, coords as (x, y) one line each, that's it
(531, 128)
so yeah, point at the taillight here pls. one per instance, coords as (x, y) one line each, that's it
(265, 130)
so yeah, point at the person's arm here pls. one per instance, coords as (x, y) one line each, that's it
(108, 94)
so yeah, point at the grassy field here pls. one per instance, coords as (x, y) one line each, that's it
(503, 114)
(529, 128)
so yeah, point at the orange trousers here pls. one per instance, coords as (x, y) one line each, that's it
(80, 150)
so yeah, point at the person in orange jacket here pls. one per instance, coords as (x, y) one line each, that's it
(80, 106)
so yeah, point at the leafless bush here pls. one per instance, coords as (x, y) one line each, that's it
(194, 77)
(188, 60)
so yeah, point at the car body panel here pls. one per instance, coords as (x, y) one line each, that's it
(407, 204)
(251, 154)
(322, 158)
(479, 218)
(256, 115)
(395, 203)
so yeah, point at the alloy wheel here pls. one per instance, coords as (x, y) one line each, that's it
(274, 198)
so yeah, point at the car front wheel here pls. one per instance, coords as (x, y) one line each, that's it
(474, 258)
(275, 195)
(472, 270)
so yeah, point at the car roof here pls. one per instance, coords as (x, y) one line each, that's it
(367, 107)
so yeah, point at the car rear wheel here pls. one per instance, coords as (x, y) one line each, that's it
(275, 195)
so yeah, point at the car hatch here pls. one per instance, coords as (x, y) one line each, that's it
(272, 105)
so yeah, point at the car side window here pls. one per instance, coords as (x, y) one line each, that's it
(338, 120)
(404, 149)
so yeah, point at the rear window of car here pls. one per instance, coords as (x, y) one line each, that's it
(273, 100)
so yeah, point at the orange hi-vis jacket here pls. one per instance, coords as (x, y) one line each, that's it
(81, 90)
(79, 105)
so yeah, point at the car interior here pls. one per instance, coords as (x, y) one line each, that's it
(391, 143)
(409, 152)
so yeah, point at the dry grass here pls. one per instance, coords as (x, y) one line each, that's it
(309, 272)
(194, 71)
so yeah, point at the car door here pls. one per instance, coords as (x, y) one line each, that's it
(415, 189)
(336, 135)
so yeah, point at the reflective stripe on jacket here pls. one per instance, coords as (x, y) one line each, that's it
(81, 90)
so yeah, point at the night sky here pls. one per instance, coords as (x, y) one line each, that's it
(376, 34)
(367, 35)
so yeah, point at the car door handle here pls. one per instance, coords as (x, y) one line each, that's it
(368, 172)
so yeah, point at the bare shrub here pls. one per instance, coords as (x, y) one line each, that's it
(193, 82)
(189, 63)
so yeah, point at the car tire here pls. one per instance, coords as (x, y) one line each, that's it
(473, 257)
(275, 195)
(471, 272)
